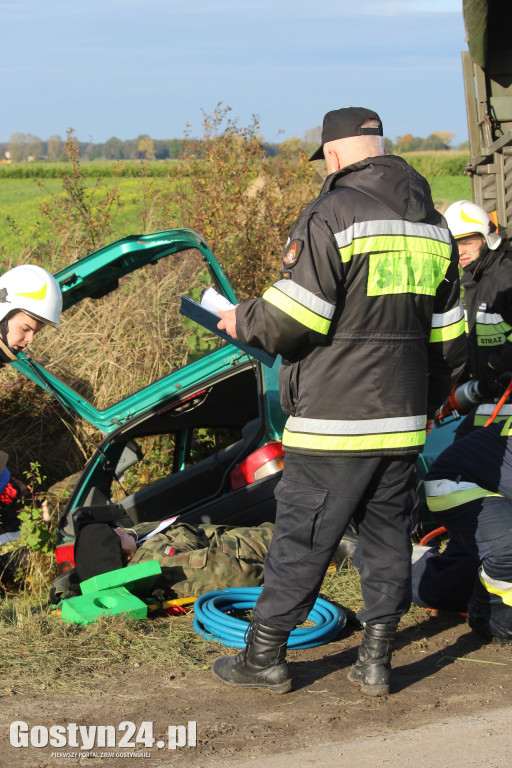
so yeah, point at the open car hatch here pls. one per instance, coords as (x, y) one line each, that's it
(96, 275)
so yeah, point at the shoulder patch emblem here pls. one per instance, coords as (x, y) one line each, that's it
(292, 253)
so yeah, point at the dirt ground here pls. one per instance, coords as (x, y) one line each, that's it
(442, 670)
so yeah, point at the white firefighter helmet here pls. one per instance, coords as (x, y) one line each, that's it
(33, 290)
(465, 218)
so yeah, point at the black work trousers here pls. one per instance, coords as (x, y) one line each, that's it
(316, 499)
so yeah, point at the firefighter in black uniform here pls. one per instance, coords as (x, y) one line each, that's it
(485, 258)
(469, 491)
(368, 320)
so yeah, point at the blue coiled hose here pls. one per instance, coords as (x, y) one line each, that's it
(212, 622)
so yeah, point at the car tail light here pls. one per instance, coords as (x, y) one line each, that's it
(65, 557)
(266, 461)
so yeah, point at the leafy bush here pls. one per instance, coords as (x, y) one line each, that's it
(81, 219)
(28, 562)
(435, 164)
(242, 202)
(35, 533)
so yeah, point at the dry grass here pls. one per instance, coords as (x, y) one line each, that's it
(343, 589)
(105, 350)
(41, 652)
(109, 348)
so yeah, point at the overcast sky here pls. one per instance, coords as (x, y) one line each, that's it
(127, 67)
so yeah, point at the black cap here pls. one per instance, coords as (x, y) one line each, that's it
(97, 550)
(345, 123)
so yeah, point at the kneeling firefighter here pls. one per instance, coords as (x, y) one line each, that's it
(469, 492)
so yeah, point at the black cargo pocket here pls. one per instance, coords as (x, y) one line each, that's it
(288, 386)
(300, 513)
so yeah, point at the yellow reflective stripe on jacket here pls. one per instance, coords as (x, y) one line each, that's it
(354, 435)
(417, 245)
(448, 333)
(491, 330)
(485, 410)
(443, 495)
(393, 235)
(448, 325)
(307, 299)
(506, 430)
(298, 311)
(353, 442)
(501, 588)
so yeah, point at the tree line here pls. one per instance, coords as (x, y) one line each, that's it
(27, 147)
(23, 147)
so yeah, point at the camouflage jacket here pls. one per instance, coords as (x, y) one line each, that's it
(197, 559)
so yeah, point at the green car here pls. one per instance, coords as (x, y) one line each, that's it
(217, 420)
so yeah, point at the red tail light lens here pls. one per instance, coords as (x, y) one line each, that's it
(65, 557)
(267, 460)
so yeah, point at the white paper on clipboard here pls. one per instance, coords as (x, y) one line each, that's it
(214, 301)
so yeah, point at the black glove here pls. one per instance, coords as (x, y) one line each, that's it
(492, 383)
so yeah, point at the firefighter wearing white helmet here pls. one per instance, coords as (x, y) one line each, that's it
(486, 261)
(466, 220)
(30, 297)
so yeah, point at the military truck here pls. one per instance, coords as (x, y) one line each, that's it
(487, 70)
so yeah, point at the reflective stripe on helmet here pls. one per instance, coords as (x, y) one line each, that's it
(31, 289)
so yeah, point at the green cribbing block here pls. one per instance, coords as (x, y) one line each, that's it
(137, 578)
(85, 609)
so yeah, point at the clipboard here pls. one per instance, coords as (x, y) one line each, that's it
(199, 314)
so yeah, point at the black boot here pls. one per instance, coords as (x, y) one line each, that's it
(262, 663)
(373, 666)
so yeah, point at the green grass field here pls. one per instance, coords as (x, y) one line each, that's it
(447, 189)
(21, 221)
(20, 205)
